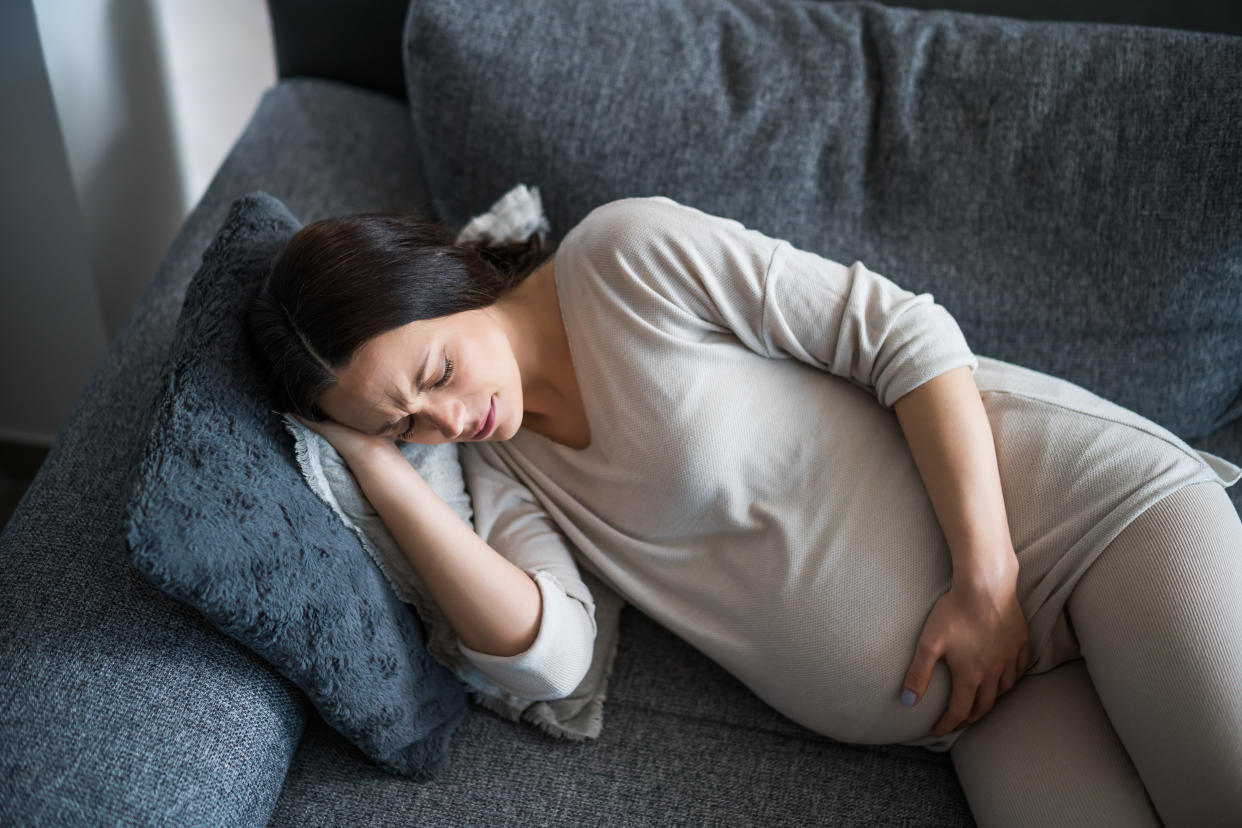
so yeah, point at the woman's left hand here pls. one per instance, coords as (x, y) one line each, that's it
(982, 634)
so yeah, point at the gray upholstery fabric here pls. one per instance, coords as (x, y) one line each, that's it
(666, 756)
(684, 744)
(219, 516)
(1069, 191)
(338, 41)
(1198, 15)
(122, 705)
(1226, 442)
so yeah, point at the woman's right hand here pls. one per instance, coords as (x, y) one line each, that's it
(353, 445)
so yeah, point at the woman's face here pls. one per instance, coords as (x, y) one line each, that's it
(432, 381)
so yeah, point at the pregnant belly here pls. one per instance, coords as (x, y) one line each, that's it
(823, 627)
(842, 673)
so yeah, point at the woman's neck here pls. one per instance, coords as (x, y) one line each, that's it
(530, 315)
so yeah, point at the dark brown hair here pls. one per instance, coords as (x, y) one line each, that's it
(339, 282)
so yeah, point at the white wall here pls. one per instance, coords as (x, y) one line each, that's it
(219, 59)
(118, 116)
(106, 67)
(51, 325)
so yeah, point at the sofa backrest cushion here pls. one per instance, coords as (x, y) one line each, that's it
(1069, 191)
(219, 516)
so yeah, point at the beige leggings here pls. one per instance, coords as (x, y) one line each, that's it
(1146, 727)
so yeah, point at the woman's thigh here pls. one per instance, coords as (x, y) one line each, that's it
(1046, 754)
(1158, 618)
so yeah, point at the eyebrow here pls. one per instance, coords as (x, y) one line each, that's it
(418, 383)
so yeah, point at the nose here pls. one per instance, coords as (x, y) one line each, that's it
(451, 418)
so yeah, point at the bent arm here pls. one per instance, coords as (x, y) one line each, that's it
(493, 606)
(557, 662)
(951, 440)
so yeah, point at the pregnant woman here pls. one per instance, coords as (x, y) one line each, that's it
(802, 470)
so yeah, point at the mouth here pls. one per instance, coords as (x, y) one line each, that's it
(488, 422)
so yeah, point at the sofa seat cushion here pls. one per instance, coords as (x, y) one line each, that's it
(1069, 191)
(685, 744)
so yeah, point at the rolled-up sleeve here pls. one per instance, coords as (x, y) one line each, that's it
(555, 664)
(859, 325)
(510, 520)
(777, 299)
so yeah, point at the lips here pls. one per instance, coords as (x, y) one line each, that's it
(486, 427)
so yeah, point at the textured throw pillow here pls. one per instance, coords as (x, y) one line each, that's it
(1069, 191)
(219, 516)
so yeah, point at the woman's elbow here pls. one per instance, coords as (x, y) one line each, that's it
(568, 678)
(556, 675)
(560, 679)
(574, 647)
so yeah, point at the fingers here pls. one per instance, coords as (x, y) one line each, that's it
(919, 675)
(1008, 678)
(960, 705)
(984, 701)
(985, 695)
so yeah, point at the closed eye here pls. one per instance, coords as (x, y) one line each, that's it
(440, 383)
(448, 373)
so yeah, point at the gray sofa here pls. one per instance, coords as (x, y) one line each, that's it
(124, 706)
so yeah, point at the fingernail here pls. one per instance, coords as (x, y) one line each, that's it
(908, 697)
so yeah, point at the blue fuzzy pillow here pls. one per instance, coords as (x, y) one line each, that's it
(220, 517)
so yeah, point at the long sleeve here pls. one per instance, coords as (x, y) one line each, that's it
(507, 517)
(780, 301)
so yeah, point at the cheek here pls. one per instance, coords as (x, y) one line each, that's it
(492, 363)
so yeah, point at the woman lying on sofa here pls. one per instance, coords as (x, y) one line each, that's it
(802, 470)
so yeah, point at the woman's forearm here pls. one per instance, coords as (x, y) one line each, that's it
(951, 440)
(492, 605)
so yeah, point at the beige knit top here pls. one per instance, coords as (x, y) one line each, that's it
(748, 485)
